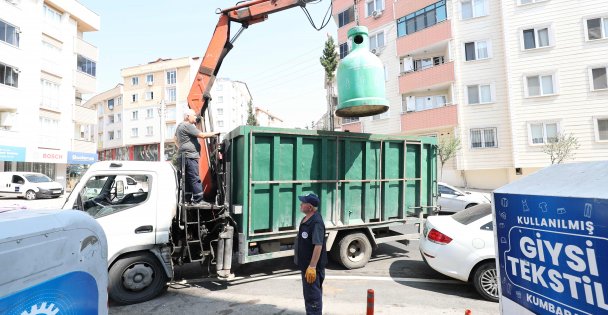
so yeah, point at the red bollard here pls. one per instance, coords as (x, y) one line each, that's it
(468, 312)
(370, 302)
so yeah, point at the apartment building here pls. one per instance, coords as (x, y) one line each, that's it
(139, 115)
(45, 68)
(504, 77)
(229, 105)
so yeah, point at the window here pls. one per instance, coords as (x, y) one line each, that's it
(134, 80)
(445, 190)
(601, 129)
(170, 131)
(480, 94)
(422, 19)
(149, 113)
(134, 115)
(111, 104)
(150, 78)
(127, 192)
(220, 99)
(373, 5)
(50, 51)
(346, 17)
(133, 132)
(343, 50)
(9, 33)
(118, 134)
(149, 95)
(50, 94)
(83, 132)
(170, 113)
(473, 8)
(134, 98)
(49, 124)
(477, 50)
(171, 95)
(376, 41)
(9, 75)
(220, 123)
(540, 85)
(86, 66)
(484, 138)
(543, 132)
(111, 119)
(149, 131)
(220, 111)
(171, 77)
(598, 77)
(420, 103)
(219, 87)
(348, 120)
(110, 135)
(118, 118)
(51, 14)
(597, 28)
(536, 38)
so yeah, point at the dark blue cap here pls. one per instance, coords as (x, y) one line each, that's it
(311, 199)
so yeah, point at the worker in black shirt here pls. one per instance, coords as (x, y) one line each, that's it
(311, 254)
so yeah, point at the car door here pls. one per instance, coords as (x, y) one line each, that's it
(128, 224)
(17, 185)
(449, 199)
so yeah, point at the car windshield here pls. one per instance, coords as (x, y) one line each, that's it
(38, 178)
(472, 214)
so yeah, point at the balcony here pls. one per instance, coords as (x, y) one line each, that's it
(85, 115)
(441, 117)
(431, 78)
(84, 146)
(84, 83)
(435, 35)
(85, 49)
(405, 7)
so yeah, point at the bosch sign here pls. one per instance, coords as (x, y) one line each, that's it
(52, 156)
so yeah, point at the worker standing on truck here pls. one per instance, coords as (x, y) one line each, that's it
(186, 138)
(311, 254)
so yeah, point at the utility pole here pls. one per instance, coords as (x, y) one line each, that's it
(161, 115)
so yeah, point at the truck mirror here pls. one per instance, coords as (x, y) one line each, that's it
(120, 189)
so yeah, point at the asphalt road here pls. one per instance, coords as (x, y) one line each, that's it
(402, 282)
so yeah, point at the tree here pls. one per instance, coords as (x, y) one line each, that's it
(251, 119)
(448, 147)
(329, 61)
(561, 148)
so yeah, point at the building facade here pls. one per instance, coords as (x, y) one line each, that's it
(45, 68)
(229, 105)
(267, 119)
(504, 77)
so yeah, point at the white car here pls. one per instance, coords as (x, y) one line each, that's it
(28, 185)
(451, 199)
(461, 246)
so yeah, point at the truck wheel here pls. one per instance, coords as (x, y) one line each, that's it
(136, 278)
(485, 281)
(30, 195)
(355, 250)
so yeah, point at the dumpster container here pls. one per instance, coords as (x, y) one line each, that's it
(363, 180)
(552, 241)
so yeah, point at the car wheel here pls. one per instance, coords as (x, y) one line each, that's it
(470, 205)
(30, 195)
(485, 281)
(136, 278)
(355, 250)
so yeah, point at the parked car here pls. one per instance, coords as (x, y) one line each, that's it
(451, 199)
(461, 246)
(28, 185)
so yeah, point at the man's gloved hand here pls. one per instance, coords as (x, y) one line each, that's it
(311, 274)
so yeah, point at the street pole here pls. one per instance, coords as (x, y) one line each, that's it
(161, 111)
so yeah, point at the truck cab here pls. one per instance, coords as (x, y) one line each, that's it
(135, 203)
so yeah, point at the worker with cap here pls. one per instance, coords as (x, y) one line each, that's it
(186, 138)
(311, 254)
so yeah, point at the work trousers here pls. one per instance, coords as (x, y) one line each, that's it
(313, 293)
(194, 186)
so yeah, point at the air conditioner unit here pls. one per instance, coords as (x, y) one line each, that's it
(377, 14)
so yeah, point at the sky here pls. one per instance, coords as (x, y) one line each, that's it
(278, 58)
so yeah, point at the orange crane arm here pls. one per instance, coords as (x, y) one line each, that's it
(246, 14)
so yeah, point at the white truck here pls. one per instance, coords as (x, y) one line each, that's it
(53, 262)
